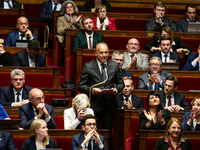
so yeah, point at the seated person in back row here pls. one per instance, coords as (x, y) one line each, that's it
(92, 4)
(22, 33)
(10, 4)
(30, 56)
(7, 141)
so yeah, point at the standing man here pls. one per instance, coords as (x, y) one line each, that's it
(127, 100)
(191, 12)
(133, 58)
(10, 4)
(155, 78)
(172, 100)
(159, 21)
(36, 109)
(30, 57)
(15, 94)
(88, 38)
(22, 33)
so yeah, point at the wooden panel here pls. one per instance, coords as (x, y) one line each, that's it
(20, 12)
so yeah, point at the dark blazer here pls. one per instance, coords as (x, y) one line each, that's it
(143, 80)
(21, 59)
(190, 59)
(155, 43)
(154, 126)
(137, 102)
(182, 25)
(151, 25)
(78, 139)
(6, 59)
(46, 13)
(178, 97)
(162, 145)
(12, 37)
(127, 74)
(15, 4)
(185, 126)
(7, 94)
(29, 144)
(91, 75)
(80, 40)
(90, 4)
(7, 141)
(26, 114)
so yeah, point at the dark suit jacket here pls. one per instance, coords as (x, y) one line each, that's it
(155, 43)
(90, 4)
(26, 114)
(46, 13)
(12, 37)
(91, 75)
(7, 141)
(80, 40)
(127, 74)
(21, 59)
(143, 80)
(190, 59)
(137, 102)
(78, 139)
(162, 145)
(7, 94)
(179, 99)
(151, 25)
(29, 144)
(185, 126)
(182, 25)
(15, 4)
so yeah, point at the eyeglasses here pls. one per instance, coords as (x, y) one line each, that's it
(101, 12)
(20, 79)
(40, 98)
(133, 44)
(91, 124)
(154, 64)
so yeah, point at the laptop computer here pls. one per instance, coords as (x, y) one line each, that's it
(193, 27)
(22, 43)
(58, 102)
(10, 123)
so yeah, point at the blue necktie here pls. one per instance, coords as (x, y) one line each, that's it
(9, 5)
(89, 145)
(103, 72)
(165, 58)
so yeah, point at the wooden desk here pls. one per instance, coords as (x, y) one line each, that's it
(20, 12)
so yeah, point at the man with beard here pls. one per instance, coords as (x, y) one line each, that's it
(88, 38)
(133, 59)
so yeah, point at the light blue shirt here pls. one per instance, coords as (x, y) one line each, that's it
(29, 60)
(6, 4)
(58, 6)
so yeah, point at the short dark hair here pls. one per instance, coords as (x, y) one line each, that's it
(165, 38)
(160, 106)
(160, 4)
(190, 5)
(88, 116)
(85, 19)
(172, 78)
(34, 45)
(1, 37)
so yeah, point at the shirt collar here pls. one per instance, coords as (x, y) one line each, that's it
(99, 64)
(15, 92)
(88, 35)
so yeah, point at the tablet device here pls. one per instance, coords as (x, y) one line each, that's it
(58, 102)
(193, 27)
(22, 43)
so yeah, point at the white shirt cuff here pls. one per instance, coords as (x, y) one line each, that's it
(194, 64)
(188, 124)
(101, 146)
(47, 119)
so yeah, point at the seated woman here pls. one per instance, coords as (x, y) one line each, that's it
(155, 117)
(102, 22)
(92, 4)
(3, 114)
(74, 115)
(177, 45)
(191, 120)
(39, 138)
(68, 19)
(173, 139)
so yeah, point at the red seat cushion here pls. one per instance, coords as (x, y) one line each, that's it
(64, 143)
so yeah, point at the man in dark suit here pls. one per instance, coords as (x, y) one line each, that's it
(127, 100)
(7, 141)
(15, 94)
(172, 100)
(22, 33)
(12, 4)
(155, 78)
(30, 56)
(36, 109)
(159, 21)
(165, 55)
(191, 12)
(88, 38)
(89, 137)
(193, 61)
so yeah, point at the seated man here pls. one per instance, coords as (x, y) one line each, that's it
(22, 33)
(133, 59)
(7, 141)
(155, 78)
(10, 4)
(193, 61)
(87, 39)
(159, 21)
(127, 100)
(36, 109)
(89, 137)
(30, 56)
(15, 94)
(191, 12)
(172, 100)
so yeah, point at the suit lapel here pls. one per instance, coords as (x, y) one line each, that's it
(96, 69)
(50, 6)
(12, 94)
(94, 39)
(1, 139)
(26, 57)
(84, 40)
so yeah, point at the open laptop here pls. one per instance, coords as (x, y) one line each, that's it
(58, 102)
(10, 124)
(22, 43)
(193, 27)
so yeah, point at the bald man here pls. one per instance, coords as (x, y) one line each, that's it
(22, 33)
(133, 59)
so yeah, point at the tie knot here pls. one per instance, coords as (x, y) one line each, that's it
(103, 65)
(90, 36)
(132, 56)
(165, 55)
(169, 97)
(18, 93)
(126, 99)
